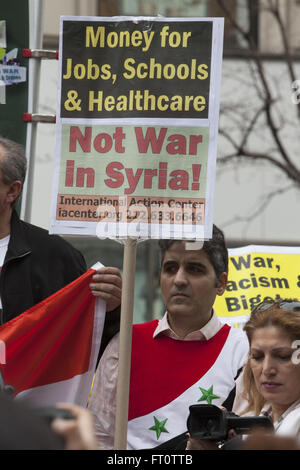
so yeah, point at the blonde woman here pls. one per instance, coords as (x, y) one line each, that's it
(271, 376)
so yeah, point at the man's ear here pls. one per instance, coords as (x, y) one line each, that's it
(222, 282)
(13, 191)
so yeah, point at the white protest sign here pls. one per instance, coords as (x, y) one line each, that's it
(137, 127)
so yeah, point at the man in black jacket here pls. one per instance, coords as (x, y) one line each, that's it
(35, 264)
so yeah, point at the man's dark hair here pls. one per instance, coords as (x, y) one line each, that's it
(215, 248)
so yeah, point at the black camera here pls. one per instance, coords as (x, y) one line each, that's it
(213, 423)
(49, 413)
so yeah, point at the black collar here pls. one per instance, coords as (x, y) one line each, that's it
(18, 245)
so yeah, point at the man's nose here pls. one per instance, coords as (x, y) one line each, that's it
(180, 277)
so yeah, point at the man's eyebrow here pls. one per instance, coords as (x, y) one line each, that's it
(196, 263)
(169, 261)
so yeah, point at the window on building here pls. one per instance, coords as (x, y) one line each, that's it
(245, 12)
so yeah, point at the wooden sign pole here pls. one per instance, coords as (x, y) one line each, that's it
(127, 302)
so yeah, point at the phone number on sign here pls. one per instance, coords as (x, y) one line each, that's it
(143, 215)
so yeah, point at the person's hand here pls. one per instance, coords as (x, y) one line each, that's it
(200, 444)
(107, 284)
(78, 433)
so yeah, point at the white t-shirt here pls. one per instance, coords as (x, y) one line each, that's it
(3, 249)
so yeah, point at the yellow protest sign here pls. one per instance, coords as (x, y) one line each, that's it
(256, 274)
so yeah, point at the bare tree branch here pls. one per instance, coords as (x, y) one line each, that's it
(258, 210)
(288, 56)
(267, 101)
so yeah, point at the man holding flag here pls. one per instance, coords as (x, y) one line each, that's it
(48, 298)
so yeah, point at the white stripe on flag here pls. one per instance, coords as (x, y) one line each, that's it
(74, 390)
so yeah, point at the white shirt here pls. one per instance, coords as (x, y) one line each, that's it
(3, 249)
(288, 424)
(208, 331)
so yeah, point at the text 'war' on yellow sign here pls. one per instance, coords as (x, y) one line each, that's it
(137, 126)
(258, 274)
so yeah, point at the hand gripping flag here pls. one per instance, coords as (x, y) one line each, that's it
(51, 349)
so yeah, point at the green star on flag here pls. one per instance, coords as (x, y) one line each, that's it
(207, 395)
(159, 427)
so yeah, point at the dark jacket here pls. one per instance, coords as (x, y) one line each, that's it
(37, 265)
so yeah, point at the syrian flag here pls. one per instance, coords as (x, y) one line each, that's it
(51, 349)
(179, 374)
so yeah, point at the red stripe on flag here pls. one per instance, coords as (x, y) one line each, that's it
(163, 368)
(51, 341)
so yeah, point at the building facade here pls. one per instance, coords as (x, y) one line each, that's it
(255, 201)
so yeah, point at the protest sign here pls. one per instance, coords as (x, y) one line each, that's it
(137, 130)
(257, 274)
(137, 127)
(14, 84)
(19, 83)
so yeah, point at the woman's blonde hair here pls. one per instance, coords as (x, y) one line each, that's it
(279, 315)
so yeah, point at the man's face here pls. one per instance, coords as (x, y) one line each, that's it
(188, 283)
(3, 186)
(8, 192)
